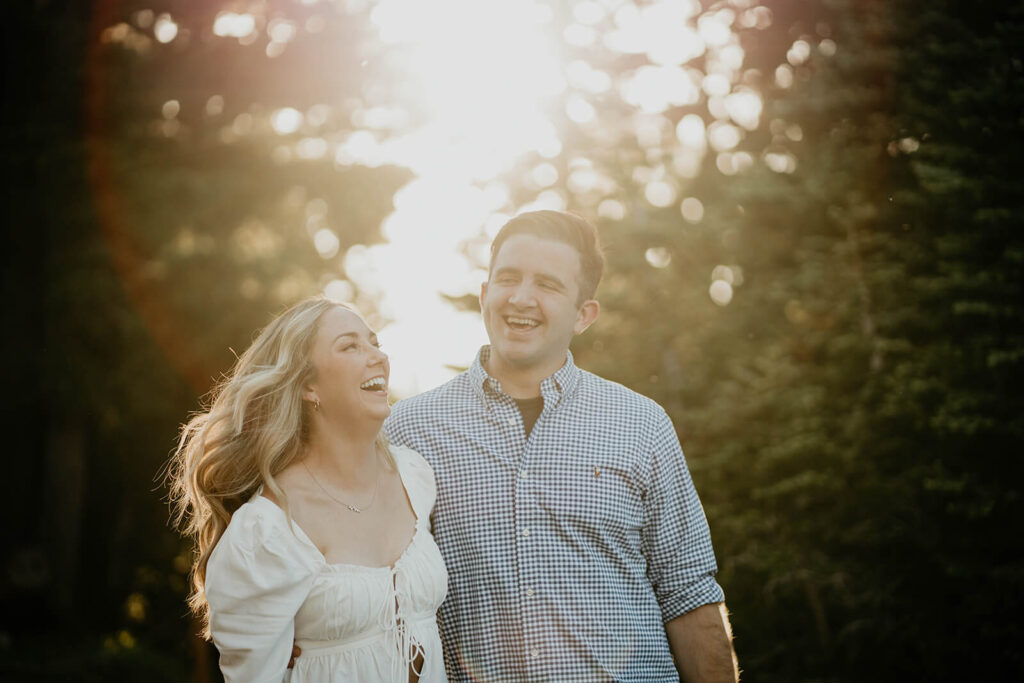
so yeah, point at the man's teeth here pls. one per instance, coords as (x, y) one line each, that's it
(521, 321)
(375, 383)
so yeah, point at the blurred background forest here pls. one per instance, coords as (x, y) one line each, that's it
(812, 213)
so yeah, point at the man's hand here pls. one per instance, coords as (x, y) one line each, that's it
(701, 642)
(296, 651)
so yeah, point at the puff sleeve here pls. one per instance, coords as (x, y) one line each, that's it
(419, 478)
(256, 581)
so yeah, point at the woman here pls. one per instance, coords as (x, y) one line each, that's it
(308, 528)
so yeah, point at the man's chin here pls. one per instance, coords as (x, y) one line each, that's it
(519, 358)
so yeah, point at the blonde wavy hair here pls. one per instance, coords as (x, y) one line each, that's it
(256, 425)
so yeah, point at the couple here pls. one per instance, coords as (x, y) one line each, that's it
(562, 508)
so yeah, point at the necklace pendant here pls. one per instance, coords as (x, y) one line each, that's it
(353, 508)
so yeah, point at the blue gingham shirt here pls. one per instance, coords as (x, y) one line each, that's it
(567, 549)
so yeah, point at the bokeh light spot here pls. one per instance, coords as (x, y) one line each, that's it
(744, 107)
(720, 292)
(230, 24)
(340, 291)
(165, 29)
(658, 257)
(784, 76)
(690, 131)
(692, 210)
(799, 53)
(723, 136)
(723, 273)
(214, 105)
(170, 109)
(612, 209)
(660, 193)
(544, 175)
(579, 110)
(780, 162)
(311, 148)
(286, 120)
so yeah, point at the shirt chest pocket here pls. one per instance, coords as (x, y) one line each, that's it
(594, 495)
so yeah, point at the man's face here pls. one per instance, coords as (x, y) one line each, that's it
(530, 307)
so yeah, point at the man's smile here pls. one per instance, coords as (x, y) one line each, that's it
(520, 323)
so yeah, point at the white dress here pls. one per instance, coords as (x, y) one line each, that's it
(267, 584)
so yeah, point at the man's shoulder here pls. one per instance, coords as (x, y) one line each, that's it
(417, 418)
(453, 392)
(603, 391)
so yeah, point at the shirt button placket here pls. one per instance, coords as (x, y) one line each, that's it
(526, 519)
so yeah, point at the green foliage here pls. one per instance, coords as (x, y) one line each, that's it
(852, 417)
(141, 248)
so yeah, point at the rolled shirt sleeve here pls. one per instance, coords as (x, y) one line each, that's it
(676, 539)
(255, 584)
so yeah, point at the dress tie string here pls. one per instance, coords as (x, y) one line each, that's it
(392, 618)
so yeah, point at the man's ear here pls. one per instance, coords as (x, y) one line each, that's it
(483, 294)
(586, 316)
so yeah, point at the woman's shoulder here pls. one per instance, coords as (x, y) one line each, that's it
(418, 477)
(252, 523)
(260, 528)
(258, 555)
(411, 460)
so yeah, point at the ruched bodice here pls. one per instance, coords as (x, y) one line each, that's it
(267, 583)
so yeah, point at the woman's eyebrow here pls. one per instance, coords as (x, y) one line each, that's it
(507, 270)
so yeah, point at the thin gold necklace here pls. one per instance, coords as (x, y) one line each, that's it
(353, 508)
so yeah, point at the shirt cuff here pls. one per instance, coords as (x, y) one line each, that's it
(706, 591)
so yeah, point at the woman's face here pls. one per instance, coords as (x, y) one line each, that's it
(350, 371)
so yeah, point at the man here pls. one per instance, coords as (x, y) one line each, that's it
(574, 539)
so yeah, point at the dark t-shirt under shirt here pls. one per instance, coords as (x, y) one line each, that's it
(530, 409)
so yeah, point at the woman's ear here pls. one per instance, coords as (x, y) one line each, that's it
(309, 393)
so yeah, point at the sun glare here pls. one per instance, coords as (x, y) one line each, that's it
(483, 89)
(481, 84)
(482, 96)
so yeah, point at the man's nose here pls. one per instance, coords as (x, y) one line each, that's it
(522, 295)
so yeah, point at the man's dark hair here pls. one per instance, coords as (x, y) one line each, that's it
(560, 227)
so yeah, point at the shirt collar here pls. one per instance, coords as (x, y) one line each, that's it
(552, 388)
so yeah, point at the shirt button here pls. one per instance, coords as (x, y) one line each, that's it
(526, 532)
(529, 592)
(535, 653)
(523, 475)
(512, 421)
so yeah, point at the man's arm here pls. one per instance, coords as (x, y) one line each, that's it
(701, 643)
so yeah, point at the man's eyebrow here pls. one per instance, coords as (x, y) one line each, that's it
(552, 279)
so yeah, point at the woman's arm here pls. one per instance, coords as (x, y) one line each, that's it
(255, 584)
